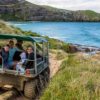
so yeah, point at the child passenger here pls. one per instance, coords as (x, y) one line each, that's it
(19, 66)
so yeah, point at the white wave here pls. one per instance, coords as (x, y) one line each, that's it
(56, 37)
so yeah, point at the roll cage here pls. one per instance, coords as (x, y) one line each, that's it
(39, 64)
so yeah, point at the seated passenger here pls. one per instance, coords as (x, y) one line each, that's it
(12, 51)
(29, 56)
(19, 66)
(5, 55)
(19, 45)
(16, 56)
(18, 52)
(27, 60)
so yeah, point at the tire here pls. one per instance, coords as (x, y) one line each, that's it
(48, 70)
(30, 89)
(41, 81)
(46, 76)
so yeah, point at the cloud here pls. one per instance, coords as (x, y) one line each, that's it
(71, 4)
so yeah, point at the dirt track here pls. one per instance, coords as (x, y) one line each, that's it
(54, 64)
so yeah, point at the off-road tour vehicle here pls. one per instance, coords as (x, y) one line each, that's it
(34, 79)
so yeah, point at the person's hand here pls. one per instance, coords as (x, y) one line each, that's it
(20, 63)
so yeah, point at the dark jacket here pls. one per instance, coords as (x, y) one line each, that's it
(16, 56)
(19, 46)
(29, 64)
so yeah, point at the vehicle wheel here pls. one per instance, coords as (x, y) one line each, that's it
(46, 76)
(48, 70)
(41, 81)
(30, 89)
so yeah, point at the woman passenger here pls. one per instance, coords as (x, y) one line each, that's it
(29, 56)
(27, 60)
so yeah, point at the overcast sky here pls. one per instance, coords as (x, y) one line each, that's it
(71, 4)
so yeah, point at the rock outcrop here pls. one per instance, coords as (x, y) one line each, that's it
(25, 11)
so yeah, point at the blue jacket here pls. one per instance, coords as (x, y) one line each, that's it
(5, 56)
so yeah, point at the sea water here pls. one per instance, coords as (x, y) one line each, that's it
(84, 33)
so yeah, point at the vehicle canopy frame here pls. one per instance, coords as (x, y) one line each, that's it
(34, 40)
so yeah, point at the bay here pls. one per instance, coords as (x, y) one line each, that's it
(84, 33)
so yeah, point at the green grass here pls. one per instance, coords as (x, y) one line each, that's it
(11, 17)
(78, 79)
(91, 14)
(61, 55)
(7, 29)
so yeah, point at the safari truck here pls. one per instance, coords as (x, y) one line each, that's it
(33, 80)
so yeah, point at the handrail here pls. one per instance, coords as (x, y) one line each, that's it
(31, 69)
(32, 60)
(17, 72)
(29, 60)
(40, 63)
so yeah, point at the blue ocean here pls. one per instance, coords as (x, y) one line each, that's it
(84, 33)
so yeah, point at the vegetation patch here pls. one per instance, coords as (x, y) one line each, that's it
(78, 79)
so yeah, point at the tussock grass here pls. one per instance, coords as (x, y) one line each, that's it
(6, 29)
(78, 79)
(60, 54)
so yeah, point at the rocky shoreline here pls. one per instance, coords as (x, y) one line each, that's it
(83, 48)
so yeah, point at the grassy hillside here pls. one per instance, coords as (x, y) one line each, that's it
(78, 79)
(6, 29)
(91, 14)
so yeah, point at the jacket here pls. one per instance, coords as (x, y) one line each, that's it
(29, 64)
(5, 56)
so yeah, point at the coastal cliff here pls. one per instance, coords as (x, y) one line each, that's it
(22, 10)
